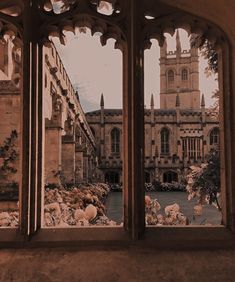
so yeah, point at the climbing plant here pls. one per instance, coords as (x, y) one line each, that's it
(8, 156)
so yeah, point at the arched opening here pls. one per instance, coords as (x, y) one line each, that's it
(214, 136)
(170, 176)
(81, 111)
(184, 74)
(115, 141)
(165, 138)
(12, 125)
(170, 78)
(147, 177)
(177, 125)
(112, 177)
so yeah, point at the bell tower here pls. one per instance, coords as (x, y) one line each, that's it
(179, 76)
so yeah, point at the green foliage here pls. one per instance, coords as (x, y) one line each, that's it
(208, 52)
(8, 155)
(204, 181)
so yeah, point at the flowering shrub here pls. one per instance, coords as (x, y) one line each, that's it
(204, 181)
(158, 186)
(172, 215)
(8, 155)
(78, 206)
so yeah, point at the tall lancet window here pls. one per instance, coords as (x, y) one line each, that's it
(165, 136)
(170, 76)
(115, 141)
(214, 136)
(184, 74)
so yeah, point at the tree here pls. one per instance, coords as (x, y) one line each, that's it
(207, 50)
(204, 180)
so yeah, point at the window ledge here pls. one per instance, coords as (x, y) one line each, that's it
(164, 238)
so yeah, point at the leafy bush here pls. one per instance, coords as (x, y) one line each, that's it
(158, 186)
(204, 180)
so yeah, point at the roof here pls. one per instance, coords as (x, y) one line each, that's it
(157, 112)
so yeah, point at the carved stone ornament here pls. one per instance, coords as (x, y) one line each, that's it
(8, 87)
(57, 103)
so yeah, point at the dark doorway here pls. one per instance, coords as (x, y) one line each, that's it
(170, 176)
(112, 177)
(147, 177)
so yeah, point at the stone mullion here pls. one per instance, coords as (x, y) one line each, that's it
(31, 184)
(41, 125)
(226, 129)
(27, 121)
(135, 124)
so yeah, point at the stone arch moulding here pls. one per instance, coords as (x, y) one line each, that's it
(53, 25)
(11, 36)
(165, 127)
(155, 29)
(97, 23)
(92, 6)
(115, 127)
(209, 132)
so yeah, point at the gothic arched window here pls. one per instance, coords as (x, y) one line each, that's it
(165, 147)
(115, 141)
(214, 136)
(184, 74)
(170, 76)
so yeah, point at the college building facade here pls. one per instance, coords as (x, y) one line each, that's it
(178, 134)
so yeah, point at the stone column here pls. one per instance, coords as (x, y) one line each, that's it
(68, 158)
(85, 167)
(133, 123)
(78, 165)
(53, 135)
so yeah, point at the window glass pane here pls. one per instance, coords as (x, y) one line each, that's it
(82, 133)
(10, 131)
(182, 170)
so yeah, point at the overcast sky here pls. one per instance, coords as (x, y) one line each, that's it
(94, 69)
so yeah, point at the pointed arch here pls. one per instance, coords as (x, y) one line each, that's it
(214, 136)
(170, 76)
(115, 140)
(184, 74)
(165, 141)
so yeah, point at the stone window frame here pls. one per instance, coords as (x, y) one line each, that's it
(115, 137)
(30, 233)
(214, 136)
(170, 77)
(184, 74)
(165, 141)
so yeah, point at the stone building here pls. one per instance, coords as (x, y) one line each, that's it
(70, 150)
(178, 134)
(69, 146)
(10, 128)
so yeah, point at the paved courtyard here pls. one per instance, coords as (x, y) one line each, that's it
(210, 214)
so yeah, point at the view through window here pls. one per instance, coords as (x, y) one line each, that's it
(83, 132)
(182, 164)
(10, 130)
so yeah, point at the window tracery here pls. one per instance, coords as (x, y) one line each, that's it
(165, 139)
(115, 141)
(184, 74)
(214, 136)
(159, 33)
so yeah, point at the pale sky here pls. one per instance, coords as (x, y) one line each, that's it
(94, 69)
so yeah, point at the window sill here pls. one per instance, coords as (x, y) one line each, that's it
(164, 238)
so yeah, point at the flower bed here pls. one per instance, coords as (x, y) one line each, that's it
(158, 186)
(172, 214)
(78, 206)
